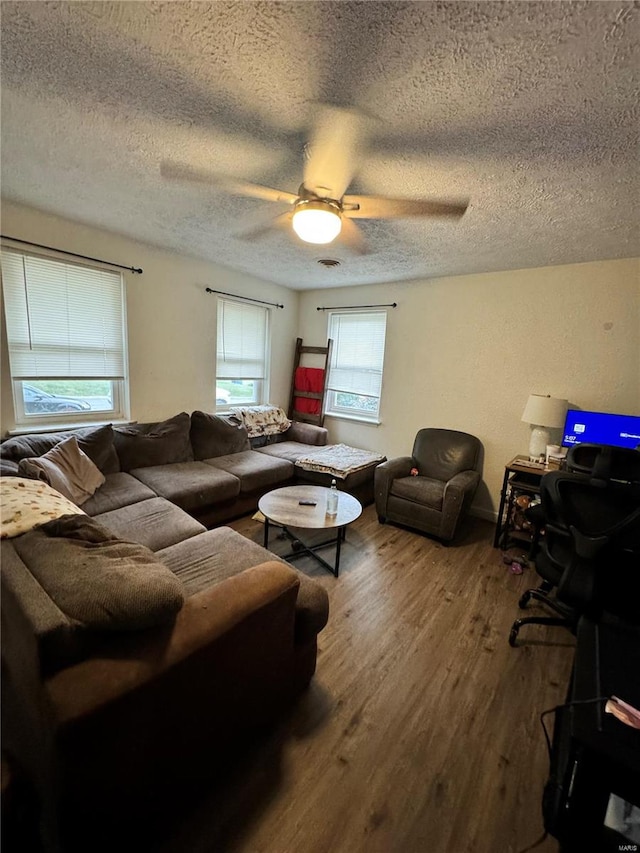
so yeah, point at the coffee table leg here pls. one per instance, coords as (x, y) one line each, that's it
(266, 532)
(339, 540)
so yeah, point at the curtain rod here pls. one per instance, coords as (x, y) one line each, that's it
(72, 254)
(246, 298)
(345, 307)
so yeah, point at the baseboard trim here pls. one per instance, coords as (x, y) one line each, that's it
(485, 514)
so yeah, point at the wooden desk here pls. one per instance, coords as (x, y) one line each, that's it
(519, 479)
(594, 755)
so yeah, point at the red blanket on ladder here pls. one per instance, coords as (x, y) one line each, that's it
(308, 379)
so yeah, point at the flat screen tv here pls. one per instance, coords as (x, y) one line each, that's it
(601, 428)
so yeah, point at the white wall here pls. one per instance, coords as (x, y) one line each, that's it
(171, 320)
(465, 352)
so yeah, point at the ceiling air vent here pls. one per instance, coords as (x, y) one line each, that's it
(329, 262)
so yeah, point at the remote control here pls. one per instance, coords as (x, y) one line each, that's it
(307, 503)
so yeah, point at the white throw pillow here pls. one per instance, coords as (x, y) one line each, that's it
(67, 469)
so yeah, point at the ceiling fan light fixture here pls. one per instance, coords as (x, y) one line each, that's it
(317, 221)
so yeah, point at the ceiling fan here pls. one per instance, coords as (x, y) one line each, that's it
(320, 210)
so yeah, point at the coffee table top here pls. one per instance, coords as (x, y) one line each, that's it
(282, 506)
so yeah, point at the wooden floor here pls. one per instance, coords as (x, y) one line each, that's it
(420, 732)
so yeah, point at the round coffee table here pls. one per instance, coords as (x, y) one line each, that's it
(284, 507)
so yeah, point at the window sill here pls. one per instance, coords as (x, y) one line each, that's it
(41, 428)
(357, 418)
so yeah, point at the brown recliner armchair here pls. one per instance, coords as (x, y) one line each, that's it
(440, 495)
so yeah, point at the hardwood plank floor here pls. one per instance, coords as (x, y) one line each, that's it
(420, 732)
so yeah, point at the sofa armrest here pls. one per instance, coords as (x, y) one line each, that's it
(456, 499)
(306, 434)
(132, 662)
(163, 712)
(461, 484)
(385, 474)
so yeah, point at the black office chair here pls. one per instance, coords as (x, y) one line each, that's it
(604, 462)
(551, 552)
(591, 544)
(603, 572)
(601, 461)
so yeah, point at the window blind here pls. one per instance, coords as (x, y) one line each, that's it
(241, 344)
(63, 320)
(357, 356)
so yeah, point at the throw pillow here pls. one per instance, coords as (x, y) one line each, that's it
(8, 468)
(30, 503)
(67, 469)
(146, 445)
(213, 435)
(97, 443)
(106, 584)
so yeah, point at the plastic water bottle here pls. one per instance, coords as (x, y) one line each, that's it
(332, 499)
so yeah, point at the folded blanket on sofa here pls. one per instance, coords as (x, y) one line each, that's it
(30, 503)
(338, 460)
(262, 420)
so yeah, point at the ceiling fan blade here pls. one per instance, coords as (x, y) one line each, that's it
(262, 227)
(381, 207)
(352, 237)
(332, 152)
(183, 172)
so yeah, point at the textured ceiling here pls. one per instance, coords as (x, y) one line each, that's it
(528, 109)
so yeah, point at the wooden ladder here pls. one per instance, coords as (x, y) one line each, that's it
(306, 417)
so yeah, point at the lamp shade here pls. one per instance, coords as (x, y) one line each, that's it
(545, 411)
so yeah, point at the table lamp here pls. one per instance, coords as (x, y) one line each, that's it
(543, 413)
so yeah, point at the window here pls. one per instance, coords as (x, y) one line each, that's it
(241, 370)
(67, 340)
(357, 359)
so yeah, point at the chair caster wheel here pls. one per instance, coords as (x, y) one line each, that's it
(525, 598)
(382, 519)
(513, 635)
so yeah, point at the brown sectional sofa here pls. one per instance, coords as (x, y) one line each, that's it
(202, 463)
(108, 716)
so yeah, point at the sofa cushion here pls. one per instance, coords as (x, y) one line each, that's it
(162, 443)
(96, 442)
(212, 435)
(218, 554)
(422, 490)
(155, 523)
(26, 504)
(256, 471)
(118, 490)
(96, 579)
(291, 450)
(67, 469)
(190, 485)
